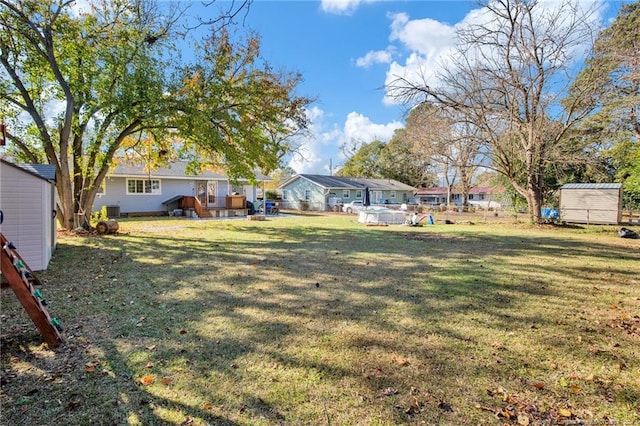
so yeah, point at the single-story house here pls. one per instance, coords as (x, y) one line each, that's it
(132, 190)
(480, 196)
(597, 203)
(320, 192)
(28, 205)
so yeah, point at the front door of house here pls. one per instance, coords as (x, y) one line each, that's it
(211, 193)
(202, 193)
(376, 196)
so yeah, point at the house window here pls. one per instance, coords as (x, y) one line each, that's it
(285, 195)
(307, 194)
(346, 193)
(359, 193)
(471, 196)
(143, 186)
(392, 194)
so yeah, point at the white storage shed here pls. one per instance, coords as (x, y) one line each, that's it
(591, 203)
(27, 201)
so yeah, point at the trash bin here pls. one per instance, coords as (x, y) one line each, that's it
(113, 211)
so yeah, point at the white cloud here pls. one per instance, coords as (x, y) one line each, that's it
(431, 45)
(424, 36)
(376, 57)
(361, 128)
(323, 148)
(342, 7)
(316, 151)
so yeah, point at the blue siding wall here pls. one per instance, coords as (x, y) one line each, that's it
(116, 195)
(296, 194)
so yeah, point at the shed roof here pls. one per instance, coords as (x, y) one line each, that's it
(591, 186)
(43, 171)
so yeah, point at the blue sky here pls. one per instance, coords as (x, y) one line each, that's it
(346, 50)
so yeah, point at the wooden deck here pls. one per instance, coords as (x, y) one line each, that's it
(235, 206)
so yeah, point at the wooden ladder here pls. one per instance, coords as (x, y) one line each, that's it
(21, 279)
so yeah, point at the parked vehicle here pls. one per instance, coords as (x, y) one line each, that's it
(335, 203)
(352, 207)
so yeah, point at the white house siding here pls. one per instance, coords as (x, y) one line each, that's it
(26, 201)
(597, 204)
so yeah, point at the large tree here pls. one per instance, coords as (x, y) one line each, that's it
(80, 82)
(399, 161)
(614, 127)
(445, 141)
(363, 161)
(511, 70)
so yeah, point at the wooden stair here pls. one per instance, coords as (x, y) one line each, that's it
(22, 281)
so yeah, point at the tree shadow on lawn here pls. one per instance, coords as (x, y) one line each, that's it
(371, 296)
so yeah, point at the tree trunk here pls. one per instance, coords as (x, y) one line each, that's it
(107, 227)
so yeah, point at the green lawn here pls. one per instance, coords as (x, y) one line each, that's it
(321, 320)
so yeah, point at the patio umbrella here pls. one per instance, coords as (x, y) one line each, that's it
(367, 198)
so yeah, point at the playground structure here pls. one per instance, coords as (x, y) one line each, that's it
(22, 281)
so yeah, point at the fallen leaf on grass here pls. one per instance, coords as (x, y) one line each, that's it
(148, 380)
(91, 366)
(207, 406)
(148, 365)
(166, 381)
(403, 362)
(538, 385)
(389, 391)
(523, 420)
(575, 388)
(563, 412)
(152, 347)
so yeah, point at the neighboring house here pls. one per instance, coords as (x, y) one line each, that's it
(479, 196)
(131, 190)
(27, 202)
(314, 192)
(598, 203)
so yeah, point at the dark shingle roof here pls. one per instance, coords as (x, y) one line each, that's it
(340, 182)
(43, 171)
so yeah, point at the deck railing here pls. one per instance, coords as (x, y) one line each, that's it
(194, 203)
